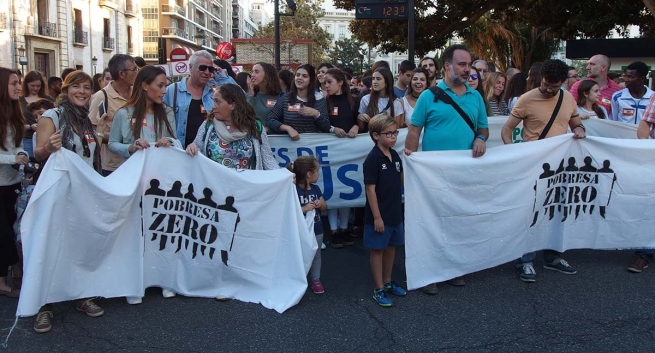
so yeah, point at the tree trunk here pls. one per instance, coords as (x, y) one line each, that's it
(650, 4)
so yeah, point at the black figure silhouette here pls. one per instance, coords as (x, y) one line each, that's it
(547, 172)
(154, 188)
(229, 206)
(588, 167)
(189, 194)
(207, 200)
(176, 190)
(571, 167)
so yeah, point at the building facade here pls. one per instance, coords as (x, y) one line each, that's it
(59, 34)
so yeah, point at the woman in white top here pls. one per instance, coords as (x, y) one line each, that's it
(380, 100)
(69, 127)
(588, 97)
(417, 85)
(144, 120)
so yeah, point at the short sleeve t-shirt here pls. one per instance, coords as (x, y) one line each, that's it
(196, 117)
(306, 196)
(386, 175)
(383, 106)
(535, 110)
(592, 114)
(77, 142)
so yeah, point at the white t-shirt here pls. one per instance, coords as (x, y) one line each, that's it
(409, 110)
(52, 114)
(591, 113)
(382, 104)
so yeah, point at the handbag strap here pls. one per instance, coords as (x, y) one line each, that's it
(441, 94)
(552, 118)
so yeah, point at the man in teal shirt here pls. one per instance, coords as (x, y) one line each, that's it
(445, 128)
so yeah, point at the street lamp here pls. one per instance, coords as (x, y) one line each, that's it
(22, 60)
(276, 13)
(361, 63)
(94, 61)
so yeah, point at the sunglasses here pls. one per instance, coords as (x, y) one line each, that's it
(205, 67)
(473, 76)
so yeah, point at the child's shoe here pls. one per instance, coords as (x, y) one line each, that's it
(395, 289)
(317, 286)
(381, 298)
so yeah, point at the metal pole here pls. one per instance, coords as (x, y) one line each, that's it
(276, 14)
(410, 30)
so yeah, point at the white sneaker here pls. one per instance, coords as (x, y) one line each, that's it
(167, 293)
(222, 298)
(323, 246)
(134, 300)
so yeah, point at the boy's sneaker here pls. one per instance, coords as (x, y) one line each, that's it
(134, 300)
(638, 264)
(337, 242)
(168, 293)
(527, 273)
(347, 239)
(317, 286)
(89, 307)
(395, 289)
(323, 247)
(381, 298)
(562, 266)
(42, 323)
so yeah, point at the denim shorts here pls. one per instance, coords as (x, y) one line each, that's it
(392, 235)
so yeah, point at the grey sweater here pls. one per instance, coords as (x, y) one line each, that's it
(9, 175)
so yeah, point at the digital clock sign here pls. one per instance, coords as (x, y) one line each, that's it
(389, 10)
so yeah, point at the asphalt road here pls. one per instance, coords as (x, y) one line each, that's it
(603, 308)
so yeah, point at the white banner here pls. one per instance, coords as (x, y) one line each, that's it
(342, 159)
(202, 235)
(465, 215)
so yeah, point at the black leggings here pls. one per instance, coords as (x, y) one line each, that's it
(8, 250)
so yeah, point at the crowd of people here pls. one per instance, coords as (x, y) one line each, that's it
(226, 117)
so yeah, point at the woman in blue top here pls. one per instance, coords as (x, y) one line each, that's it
(302, 110)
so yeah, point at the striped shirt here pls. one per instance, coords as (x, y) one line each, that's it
(285, 113)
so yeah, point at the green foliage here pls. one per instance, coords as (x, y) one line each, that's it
(348, 53)
(580, 66)
(304, 25)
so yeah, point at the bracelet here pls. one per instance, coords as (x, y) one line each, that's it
(582, 126)
(331, 129)
(481, 137)
(45, 149)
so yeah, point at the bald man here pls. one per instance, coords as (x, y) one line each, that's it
(511, 72)
(597, 68)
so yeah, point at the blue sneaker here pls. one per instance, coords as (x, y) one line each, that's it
(381, 298)
(395, 289)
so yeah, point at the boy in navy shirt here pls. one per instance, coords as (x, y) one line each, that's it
(383, 222)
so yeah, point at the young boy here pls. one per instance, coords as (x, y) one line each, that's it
(383, 221)
(38, 107)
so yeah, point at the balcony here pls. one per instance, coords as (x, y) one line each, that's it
(3, 21)
(173, 9)
(216, 29)
(131, 9)
(201, 3)
(108, 43)
(112, 4)
(48, 29)
(173, 31)
(80, 38)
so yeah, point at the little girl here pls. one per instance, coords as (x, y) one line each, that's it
(311, 198)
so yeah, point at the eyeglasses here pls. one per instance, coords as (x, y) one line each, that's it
(134, 69)
(205, 67)
(473, 76)
(547, 87)
(389, 134)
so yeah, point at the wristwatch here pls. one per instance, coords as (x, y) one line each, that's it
(481, 137)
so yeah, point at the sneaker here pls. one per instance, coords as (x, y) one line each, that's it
(357, 232)
(347, 239)
(381, 298)
(527, 273)
(337, 242)
(430, 289)
(167, 293)
(323, 247)
(134, 300)
(638, 264)
(89, 307)
(42, 323)
(317, 286)
(395, 289)
(562, 266)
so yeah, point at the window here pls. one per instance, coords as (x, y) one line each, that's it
(42, 12)
(130, 46)
(342, 32)
(77, 19)
(106, 28)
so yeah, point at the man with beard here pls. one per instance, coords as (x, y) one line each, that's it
(597, 70)
(535, 109)
(54, 86)
(430, 64)
(445, 127)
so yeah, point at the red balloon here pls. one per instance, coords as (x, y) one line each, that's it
(224, 50)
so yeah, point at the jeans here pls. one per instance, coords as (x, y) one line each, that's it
(645, 253)
(338, 218)
(315, 270)
(28, 147)
(549, 257)
(8, 250)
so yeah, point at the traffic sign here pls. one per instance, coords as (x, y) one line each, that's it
(180, 68)
(166, 68)
(397, 11)
(179, 54)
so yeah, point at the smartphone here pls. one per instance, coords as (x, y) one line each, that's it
(101, 109)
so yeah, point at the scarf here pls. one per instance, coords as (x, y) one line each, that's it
(75, 120)
(225, 135)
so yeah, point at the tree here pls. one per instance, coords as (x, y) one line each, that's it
(439, 21)
(347, 53)
(304, 25)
